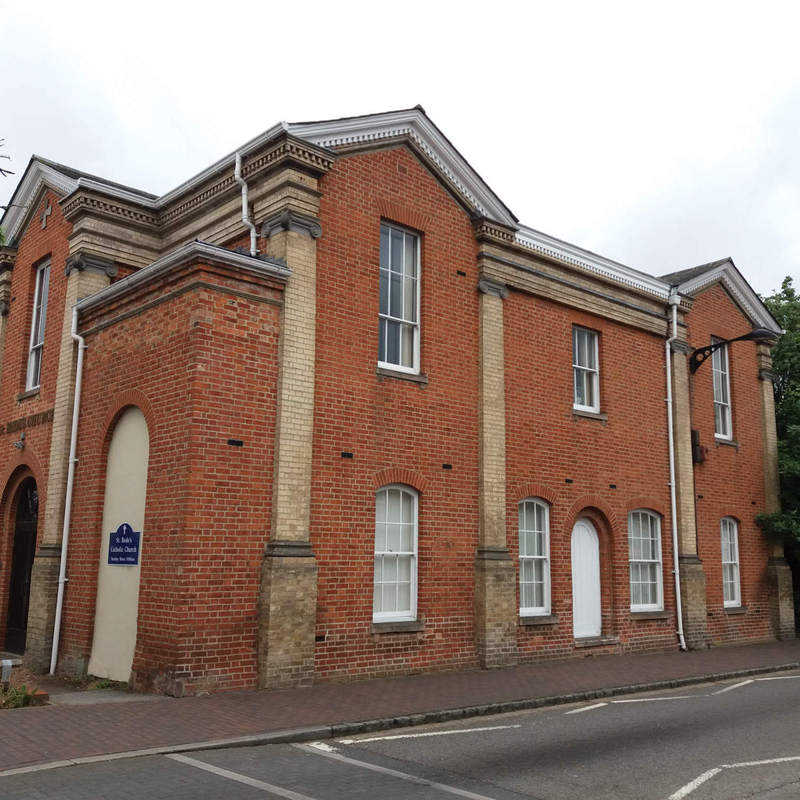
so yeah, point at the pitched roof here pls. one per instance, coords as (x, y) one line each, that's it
(683, 275)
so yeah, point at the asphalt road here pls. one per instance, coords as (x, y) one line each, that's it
(732, 740)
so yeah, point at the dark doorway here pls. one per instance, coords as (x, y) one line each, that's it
(21, 565)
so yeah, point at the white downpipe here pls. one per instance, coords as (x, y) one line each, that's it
(674, 300)
(73, 443)
(237, 173)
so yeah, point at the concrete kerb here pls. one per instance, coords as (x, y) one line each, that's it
(322, 732)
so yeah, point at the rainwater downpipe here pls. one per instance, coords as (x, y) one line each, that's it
(674, 300)
(237, 173)
(73, 443)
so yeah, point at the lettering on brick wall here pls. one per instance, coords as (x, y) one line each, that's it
(30, 421)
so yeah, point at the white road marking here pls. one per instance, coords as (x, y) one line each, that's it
(427, 733)
(686, 790)
(322, 746)
(653, 699)
(781, 760)
(239, 778)
(692, 785)
(442, 787)
(733, 686)
(585, 708)
(778, 678)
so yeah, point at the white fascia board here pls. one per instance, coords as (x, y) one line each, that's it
(740, 290)
(564, 251)
(196, 249)
(415, 124)
(37, 176)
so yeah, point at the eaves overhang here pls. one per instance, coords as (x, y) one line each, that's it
(192, 251)
(549, 246)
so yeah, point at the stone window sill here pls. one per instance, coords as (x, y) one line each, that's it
(597, 641)
(409, 626)
(27, 395)
(385, 372)
(600, 416)
(734, 610)
(650, 614)
(538, 619)
(718, 440)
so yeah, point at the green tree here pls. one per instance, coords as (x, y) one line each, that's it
(784, 526)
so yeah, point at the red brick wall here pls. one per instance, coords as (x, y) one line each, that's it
(35, 245)
(202, 367)
(731, 481)
(547, 446)
(390, 424)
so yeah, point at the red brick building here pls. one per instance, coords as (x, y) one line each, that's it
(328, 410)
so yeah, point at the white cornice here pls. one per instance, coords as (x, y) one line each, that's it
(416, 125)
(36, 176)
(209, 253)
(585, 259)
(741, 291)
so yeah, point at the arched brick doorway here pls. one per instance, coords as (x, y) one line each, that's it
(26, 503)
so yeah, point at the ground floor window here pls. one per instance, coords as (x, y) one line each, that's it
(644, 543)
(395, 584)
(731, 587)
(534, 557)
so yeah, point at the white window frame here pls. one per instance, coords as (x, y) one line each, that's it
(411, 614)
(33, 375)
(655, 519)
(720, 365)
(592, 372)
(544, 610)
(729, 525)
(415, 326)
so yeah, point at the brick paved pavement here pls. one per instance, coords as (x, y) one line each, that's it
(52, 733)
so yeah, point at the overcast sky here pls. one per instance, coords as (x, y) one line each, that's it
(661, 139)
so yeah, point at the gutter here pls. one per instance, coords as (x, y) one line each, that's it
(674, 301)
(73, 442)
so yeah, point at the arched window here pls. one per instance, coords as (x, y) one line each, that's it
(731, 585)
(395, 585)
(644, 542)
(534, 557)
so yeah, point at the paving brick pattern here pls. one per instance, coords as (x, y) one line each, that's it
(52, 733)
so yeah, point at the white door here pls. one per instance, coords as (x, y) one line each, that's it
(585, 580)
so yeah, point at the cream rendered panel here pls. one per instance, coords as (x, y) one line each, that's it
(117, 607)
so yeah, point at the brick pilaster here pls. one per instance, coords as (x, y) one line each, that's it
(288, 594)
(495, 574)
(692, 574)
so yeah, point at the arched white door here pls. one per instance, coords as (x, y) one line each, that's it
(586, 612)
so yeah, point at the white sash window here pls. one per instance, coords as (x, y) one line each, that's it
(37, 327)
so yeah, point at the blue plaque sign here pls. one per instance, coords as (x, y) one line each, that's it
(123, 546)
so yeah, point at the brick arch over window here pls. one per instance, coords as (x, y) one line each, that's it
(522, 491)
(393, 211)
(409, 477)
(645, 503)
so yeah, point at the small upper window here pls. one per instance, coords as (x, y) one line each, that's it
(731, 586)
(37, 327)
(395, 578)
(398, 337)
(644, 547)
(585, 369)
(534, 558)
(722, 392)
